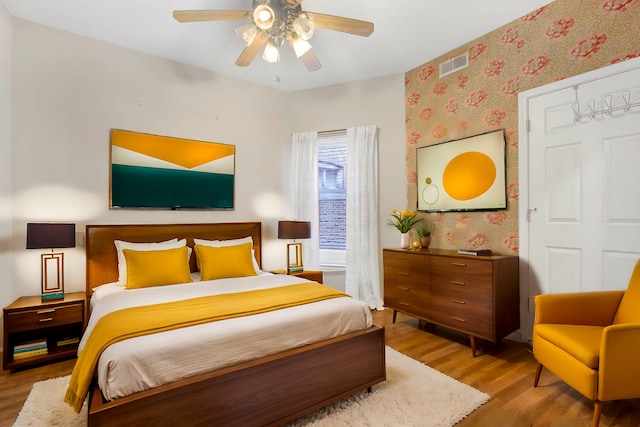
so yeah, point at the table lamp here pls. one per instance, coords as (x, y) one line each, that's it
(51, 236)
(294, 230)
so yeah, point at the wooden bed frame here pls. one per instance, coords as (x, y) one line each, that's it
(270, 390)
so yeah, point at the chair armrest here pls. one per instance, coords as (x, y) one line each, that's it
(580, 308)
(619, 376)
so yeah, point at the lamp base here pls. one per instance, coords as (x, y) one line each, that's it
(52, 296)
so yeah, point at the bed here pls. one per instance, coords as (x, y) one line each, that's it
(266, 390)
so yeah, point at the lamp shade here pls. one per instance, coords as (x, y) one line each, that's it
(294, 229)
(50, 236)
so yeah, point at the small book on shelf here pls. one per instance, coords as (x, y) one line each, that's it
(475, 252)
(67, 341)
(30, 345)
(30, 353)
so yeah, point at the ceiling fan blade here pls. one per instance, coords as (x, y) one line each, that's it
(210, 15)
(252, 50)
(310, 60)
(338, 23)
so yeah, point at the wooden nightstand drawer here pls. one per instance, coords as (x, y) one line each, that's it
(29, 320)
(314, 275)
(44, 317)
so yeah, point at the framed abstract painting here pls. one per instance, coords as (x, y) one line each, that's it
(162, 172)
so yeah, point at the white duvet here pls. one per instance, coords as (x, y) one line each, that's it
(150, 361)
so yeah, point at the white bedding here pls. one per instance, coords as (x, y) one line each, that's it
(149, 361)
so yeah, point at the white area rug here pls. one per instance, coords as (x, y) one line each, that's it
(413, 395)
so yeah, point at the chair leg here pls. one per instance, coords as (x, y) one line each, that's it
(597, 410)
(538, 372)
(395, 313)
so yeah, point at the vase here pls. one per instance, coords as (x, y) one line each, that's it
(425, 241)
(404, 240)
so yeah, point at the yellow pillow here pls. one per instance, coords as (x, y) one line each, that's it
(156, 268)
(225, 261)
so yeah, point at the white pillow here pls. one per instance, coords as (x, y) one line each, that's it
(221, 243)
(232, 242)
(100, 291)
(122, 245)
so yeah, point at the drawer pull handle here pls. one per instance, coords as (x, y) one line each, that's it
(404, 304)
(48, 319)
(459, 264)
(51, 310)
(403, 273)
(458, 301)
(453, 282)
(458, 319)
(402, 288)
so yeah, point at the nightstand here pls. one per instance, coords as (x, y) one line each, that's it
(315, 275)
(59, 323)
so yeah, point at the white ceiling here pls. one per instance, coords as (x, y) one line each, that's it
(407, 33)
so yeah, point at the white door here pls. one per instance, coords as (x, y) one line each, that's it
(582, 206)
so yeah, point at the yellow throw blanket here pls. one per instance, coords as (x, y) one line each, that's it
(136, 321)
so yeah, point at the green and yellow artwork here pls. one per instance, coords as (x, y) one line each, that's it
(161, 172)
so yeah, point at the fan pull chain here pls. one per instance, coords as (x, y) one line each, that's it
(278, 72)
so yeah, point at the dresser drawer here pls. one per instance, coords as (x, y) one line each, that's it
(406, 260)
(406, 290)
(447, 313)
(403, 275)
(463, 287)
(409, 300)
(462, 267)
(468, 307)
(44, 317)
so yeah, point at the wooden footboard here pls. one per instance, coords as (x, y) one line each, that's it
(269, 391)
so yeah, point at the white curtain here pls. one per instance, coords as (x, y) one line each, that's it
(363, 249)
(304, 192)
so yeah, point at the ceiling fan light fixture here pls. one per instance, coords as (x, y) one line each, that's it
(264, 17)
(247, 33)
(271, 53)
(304, 26)
(300, 46)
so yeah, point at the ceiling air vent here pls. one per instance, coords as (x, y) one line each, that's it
(454, 64)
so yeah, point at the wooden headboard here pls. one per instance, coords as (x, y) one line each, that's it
(102, 260)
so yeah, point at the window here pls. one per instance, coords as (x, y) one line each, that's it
(332, 155)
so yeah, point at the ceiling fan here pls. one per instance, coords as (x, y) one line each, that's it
(272, 23)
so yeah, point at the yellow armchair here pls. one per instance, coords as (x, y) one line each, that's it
(591, 340)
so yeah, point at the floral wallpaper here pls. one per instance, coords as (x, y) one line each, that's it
(560, 40)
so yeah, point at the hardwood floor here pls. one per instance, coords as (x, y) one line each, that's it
(14, 388)
(505, 372)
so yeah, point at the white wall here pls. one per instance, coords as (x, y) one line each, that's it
(68, 91)
(378, 102)
(6, 265)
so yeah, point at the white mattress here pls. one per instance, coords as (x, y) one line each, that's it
(150, 361)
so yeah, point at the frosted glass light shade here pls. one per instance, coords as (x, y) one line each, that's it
(247, 33)
(304, 26)
(264, 17)
(301, 47)
(271, 53)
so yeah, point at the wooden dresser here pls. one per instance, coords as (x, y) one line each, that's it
(475, 295)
